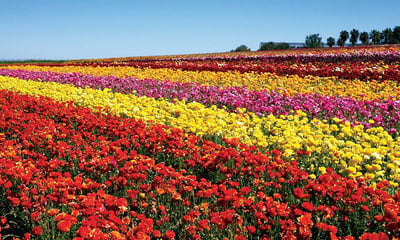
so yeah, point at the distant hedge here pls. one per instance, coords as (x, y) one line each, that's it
(274, 46)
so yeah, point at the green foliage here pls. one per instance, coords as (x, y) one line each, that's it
(396, 34)
(354, 35)
(241, 48)
(282, 45)
(344, 35)
(30, 61)
(340, 42)
(274, 46)
(330, 41)
(313, 41)
(387, 35)
(375, 36)
(364, 38)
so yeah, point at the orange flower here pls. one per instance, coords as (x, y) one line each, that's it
(117, 236)
(53, 212)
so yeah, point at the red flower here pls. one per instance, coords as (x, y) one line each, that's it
(8, 185)
(349, 238)
(170, 234)
(251, 229)
(37, 231)
(3, 221)
(364, 208)
(390, 213)
(308, 206)
(156, 234)
(239, 237)
(203, 224)
(83, 232)
(374, 236)
(299, 194)
(27, 236)
(35, 216)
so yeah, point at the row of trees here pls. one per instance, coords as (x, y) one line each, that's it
(264, 47)
(387, 36)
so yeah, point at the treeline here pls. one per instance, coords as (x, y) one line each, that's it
(264, 47)
(355, 37)
(375, 37)
(30, 61)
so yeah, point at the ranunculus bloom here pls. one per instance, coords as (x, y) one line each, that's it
(156, 234)
(170, 234)
(64, 226)
(37, 231)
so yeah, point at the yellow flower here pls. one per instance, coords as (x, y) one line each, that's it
(336, 120)
(351, 170)
(322, 170)
(376, 167)
(391, 166)
(354, 150)
(369, 176)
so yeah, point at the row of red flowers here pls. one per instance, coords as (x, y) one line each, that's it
(67, 172)
(343, 70)
(365, 64)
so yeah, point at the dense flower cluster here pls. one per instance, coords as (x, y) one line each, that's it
(388, 53)
(67, 172)
(296, 144)
(364, 65)
(286, 85)
(385, 113)
(355, 151)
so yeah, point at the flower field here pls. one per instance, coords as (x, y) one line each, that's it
(295, 144)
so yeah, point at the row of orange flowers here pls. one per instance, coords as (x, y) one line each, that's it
(67, 172)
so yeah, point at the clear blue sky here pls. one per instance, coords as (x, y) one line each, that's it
(71, 29)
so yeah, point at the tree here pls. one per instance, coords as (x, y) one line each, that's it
(344, 35)
(282, 45)
(267, 46)
(273, 46)
(313, 41)
(388, 36)
(364, 38)
(241, 48)
(375, 36)
(396, 34)
(354, 34)
(330, 41)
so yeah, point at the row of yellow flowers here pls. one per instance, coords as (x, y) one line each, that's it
(372, 154)
(291, 84)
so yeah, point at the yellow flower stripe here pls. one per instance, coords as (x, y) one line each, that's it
(291, 84)
(350, 150)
